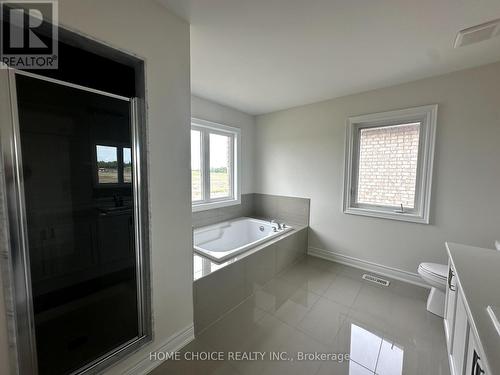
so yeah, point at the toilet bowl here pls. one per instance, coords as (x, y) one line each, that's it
(436, 276)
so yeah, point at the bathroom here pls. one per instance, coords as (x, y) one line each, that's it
(246, 187)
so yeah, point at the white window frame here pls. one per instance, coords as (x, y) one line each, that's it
(206, 128)
(427, 117)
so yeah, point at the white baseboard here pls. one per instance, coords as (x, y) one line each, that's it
(174, 343)
(395, 273)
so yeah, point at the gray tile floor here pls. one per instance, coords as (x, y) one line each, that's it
(324, 307)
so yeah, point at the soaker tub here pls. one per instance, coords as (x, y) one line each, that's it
(224, 240)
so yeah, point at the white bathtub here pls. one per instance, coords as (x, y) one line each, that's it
(224, 240)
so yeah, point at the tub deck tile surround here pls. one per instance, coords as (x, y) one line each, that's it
(291, 210)
(220, 287)
(216, 215)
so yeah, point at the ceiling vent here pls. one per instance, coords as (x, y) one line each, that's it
(477, 33)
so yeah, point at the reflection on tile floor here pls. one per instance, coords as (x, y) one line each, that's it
(316, 306)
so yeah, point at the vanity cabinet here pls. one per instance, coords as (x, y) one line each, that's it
(475, 364)
(465, 357)
(460, 337)
(451, 298)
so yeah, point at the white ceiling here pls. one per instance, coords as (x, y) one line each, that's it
(261, 56)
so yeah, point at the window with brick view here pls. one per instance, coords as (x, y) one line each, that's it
(388, 164)
(387, 170)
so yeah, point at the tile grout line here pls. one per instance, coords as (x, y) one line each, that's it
(321, 296)
(226, 313)
(297, 328)
(378, 356)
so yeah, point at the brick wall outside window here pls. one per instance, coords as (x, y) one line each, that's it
(388, 165)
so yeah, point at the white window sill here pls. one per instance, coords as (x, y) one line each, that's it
(219, 204)
(408, 217)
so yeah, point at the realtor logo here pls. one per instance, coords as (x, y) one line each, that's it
(29, 37)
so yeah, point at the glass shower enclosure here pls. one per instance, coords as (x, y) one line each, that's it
(71, 159)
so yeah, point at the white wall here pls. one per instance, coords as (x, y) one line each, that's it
(211, 111)
(300, 152)
(148, 30)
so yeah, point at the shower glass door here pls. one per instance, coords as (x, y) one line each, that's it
(82, 224)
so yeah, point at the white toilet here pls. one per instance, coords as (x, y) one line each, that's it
(436, 276)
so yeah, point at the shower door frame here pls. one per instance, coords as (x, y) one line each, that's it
(17, 278)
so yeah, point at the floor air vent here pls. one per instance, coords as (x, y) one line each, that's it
(375, 279)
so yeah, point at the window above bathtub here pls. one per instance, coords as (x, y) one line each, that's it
(388, 164)
(215, 165)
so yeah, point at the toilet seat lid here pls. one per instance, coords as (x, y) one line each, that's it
(436, 269)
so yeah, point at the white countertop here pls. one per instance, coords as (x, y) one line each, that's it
(478, 273)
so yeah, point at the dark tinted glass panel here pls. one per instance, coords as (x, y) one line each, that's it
(80, 222)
